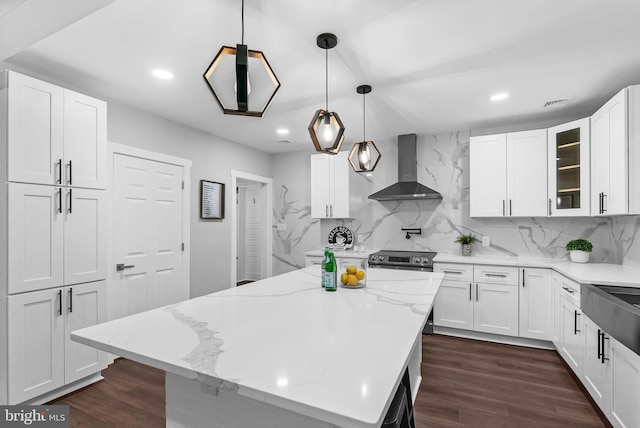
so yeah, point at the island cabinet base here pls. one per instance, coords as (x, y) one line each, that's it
(190, 403)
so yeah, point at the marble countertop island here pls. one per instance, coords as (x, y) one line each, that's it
(283, 342)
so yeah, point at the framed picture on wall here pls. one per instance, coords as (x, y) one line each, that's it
(211, 200)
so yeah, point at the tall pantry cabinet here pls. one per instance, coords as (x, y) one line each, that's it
(53, 230)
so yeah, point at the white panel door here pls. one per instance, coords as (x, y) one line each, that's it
(339, 204)
(597, 367)
(35, 344)
(85, 140)
(536, 304)
(527, 173)
(557, 311)
(488, 175)
(496, 309)
(453, 306)
(625, 411)
(147, 235)
(34, 130)
(35, 251)
(85, 236)
(320, 186)
(617, 200)
(572, 342)
(84, 305)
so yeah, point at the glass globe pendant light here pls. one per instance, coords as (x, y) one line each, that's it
(364, 156)
(326, 128)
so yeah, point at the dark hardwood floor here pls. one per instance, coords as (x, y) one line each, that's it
(466, 383)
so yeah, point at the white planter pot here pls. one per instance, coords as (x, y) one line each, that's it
(579, 256)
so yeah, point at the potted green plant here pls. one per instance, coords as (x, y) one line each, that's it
(579, 250)
(466, 241)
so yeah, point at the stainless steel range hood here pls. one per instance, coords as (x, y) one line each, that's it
(407, 187)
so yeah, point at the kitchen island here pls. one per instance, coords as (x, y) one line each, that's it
(282, 352)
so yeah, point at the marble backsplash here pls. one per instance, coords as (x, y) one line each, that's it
(443, 164)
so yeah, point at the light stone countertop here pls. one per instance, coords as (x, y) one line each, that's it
(335, 356)
(345, 253)
(586, 273)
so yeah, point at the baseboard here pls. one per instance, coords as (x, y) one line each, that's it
(67, 389)
(488, 337)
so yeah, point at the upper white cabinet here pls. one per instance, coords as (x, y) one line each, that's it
(57, 236)
(569, 169)
(54, 136)
(536, 303)
(508, 174)
(330, 186)
(615, 154)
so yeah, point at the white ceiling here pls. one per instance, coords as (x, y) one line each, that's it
(433, 64)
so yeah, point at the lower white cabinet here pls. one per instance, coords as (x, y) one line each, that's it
(479, 298)
(536, 303)
(41, 355)
(611, 374)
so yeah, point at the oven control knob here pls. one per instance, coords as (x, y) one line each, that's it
(425, 260)
(416, 260)
(373, 258)
(381, 258)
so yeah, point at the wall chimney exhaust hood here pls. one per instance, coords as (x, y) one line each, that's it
(407, 187)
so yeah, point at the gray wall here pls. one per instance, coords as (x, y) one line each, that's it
(213, 159)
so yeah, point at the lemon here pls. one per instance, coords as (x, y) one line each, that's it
(352, 270)
(343, 278)
(352, 279)
(360, 274)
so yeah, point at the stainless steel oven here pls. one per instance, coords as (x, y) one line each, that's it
(406, 260)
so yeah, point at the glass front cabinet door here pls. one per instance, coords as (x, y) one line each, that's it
(569, 169)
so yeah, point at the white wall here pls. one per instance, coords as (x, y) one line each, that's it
(213, 159)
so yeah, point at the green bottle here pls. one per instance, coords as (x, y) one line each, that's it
(323, 267)
(330, 272)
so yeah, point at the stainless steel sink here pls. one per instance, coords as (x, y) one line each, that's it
(616, 310)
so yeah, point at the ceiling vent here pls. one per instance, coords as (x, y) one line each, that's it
(557, 103)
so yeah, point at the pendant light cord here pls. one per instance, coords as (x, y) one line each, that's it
(326, 75)
(364, 120)
(243, 22)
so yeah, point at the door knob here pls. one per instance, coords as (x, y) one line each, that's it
(121, 266)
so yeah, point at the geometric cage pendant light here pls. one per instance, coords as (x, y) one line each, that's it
(236, 73)
(364, 156)
(326, 128)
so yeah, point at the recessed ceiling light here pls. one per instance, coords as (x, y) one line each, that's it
(283, 131)
(499, 97)
(162, 74)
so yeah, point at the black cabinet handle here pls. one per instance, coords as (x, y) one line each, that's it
(70, 209)
(604, 210)
(503, 209)
(477, 293)
(568, 290)
(603, 358)
(70, 181)
(469, 291)
(522, 278)
(549, 206)
(510, 210)
(575, 322)
(70, 300)
(60, 201)
(599, 344)
(59, 302)
(59, 180)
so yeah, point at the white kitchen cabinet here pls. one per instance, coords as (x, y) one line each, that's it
(496, 300)
(536, 303)
(596, 375)
(569, 169)
(41, 356)
(625, 377)
(57, 236)
(505, 175)
(453, 305)
(615, 155)
(478, 298)
(572, 349)
(330, 186)
(54, 136)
